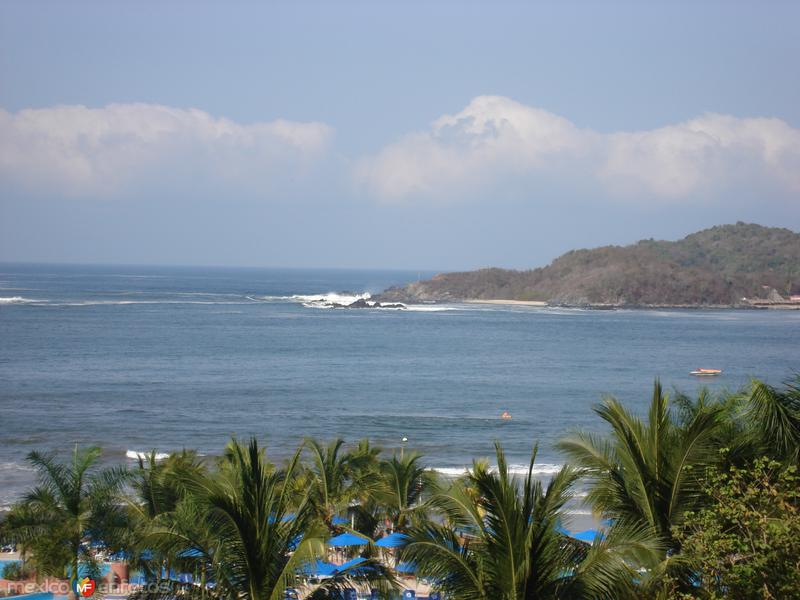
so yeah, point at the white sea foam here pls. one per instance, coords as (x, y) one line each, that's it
(133, 454)
(12, 466)
(430, 308)
(330, 299)
(326, 300)
(343, 299)
(78, 303)
(538, 469)
(143, 302)
(16, 300)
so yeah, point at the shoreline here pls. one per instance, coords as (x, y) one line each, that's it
(602, 306)
(508, 302)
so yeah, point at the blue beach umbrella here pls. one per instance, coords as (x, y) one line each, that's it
(190, 553)
(318, 568)
(357, 566)
(284, 519)
(350, 564)
(337, 520)
(406, 567)
(348, 539)
(588, 535)
(394, 540)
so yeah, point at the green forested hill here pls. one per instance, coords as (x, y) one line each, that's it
(720, 265)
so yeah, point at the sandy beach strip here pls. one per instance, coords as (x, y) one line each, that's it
(508, 302)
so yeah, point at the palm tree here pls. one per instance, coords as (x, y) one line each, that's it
(774, 418)
(157, 490)
(73, 503)
(404, 482)
(500, 541)
(338, 479)
(647, 473)
(238, 525)
(157, 483)
(246, 527)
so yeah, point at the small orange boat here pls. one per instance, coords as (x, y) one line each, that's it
(706, 372)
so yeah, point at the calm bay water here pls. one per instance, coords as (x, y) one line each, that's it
(136, 358)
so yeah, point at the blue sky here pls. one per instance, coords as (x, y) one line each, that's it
(430, 135)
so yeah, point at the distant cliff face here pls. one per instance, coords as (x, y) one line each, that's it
(720, 265)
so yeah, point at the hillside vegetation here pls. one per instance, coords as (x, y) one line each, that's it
(717, 266)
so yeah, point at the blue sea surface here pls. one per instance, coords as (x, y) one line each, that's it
(140, 358)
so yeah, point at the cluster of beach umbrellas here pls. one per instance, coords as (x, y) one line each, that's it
(396, 540)
(347, 539)
(321, 568)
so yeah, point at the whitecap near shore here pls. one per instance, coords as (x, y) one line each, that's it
(520, 469)
(135, 455)
(340, 300)
(16, 300)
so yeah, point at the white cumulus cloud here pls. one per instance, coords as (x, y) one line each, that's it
(495, 137)
(77, 150)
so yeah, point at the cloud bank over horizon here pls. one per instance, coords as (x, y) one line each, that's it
(495, 138)
(76, 150)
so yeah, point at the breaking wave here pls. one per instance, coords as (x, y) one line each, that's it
(135, 455)
(13, 466)
(538, 469)
(78, 303)
(330, 300)
(17, 300)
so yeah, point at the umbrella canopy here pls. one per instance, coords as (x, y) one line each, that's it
(357, 566)
(405, 567)
(350, 564)
(393, 540)
(318, 568)
(588, 535)
(190, 553)
(348, 539)
(284, 519)
(337, 520)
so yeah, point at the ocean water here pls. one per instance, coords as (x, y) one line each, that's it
(141, 358)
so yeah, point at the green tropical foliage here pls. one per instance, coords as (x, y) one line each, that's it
(745, 541)
(774, 415)
(158, 488)
(337, 478)
(236, 522)
(74, 502)
(646, 473)
(404, 482)
(500, 541)
(247, 529)
(15, 571)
